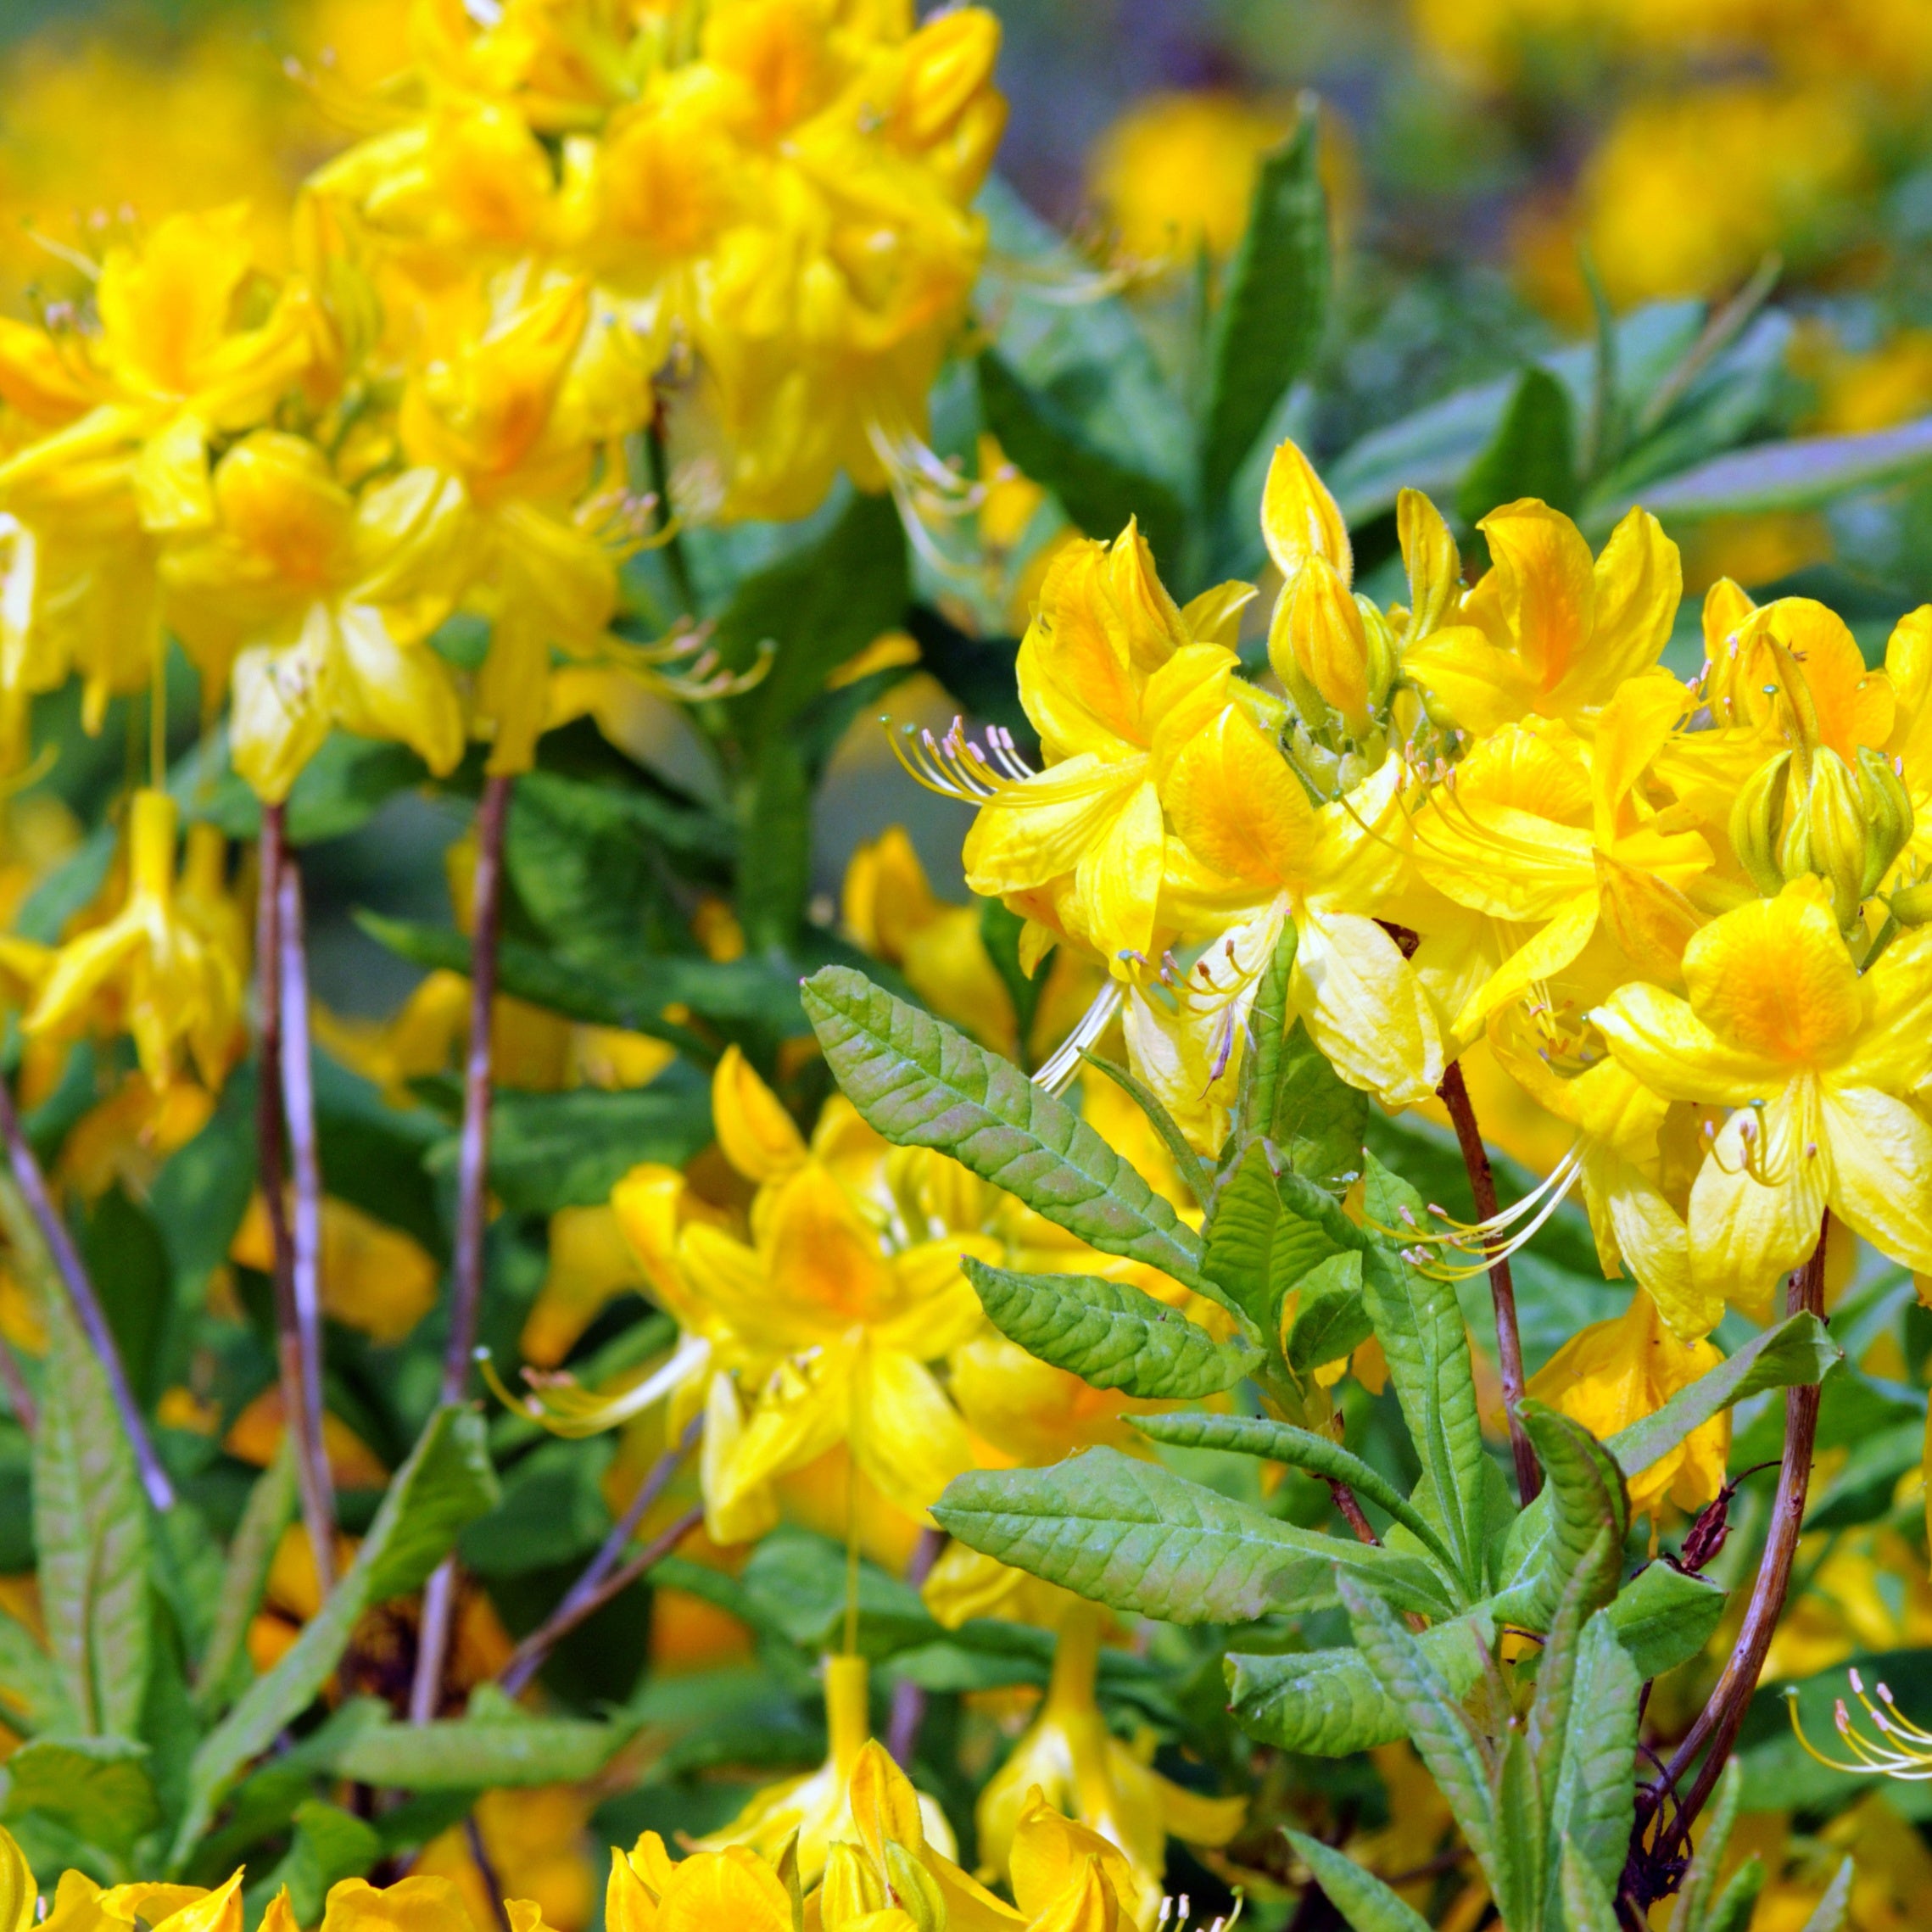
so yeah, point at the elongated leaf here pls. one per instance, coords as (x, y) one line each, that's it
(1664, 1618)
(1187, 1163)
(1532, 453)
(1270, 322)
(921, 1083)
(1266, 1233)
(1585, 1907)
(1518, 1878)
(1829, 1915)
(1135, 1536)
(495, 1744)
(1796, 1353)
(1419, 1323)
(1317, 1119)
(99, 1789)
(1261, 1065)
(1585, 1494)
(1330, 1318)
(1733, 1906)
(1798, 475)
(1049, 443)
(90, 1528)
(1592, 1803)
(1111, 1334)
(1300, 1448)
(1329, 1703)
(271, 1509)
(1443, 1737)
(33, 1692)
(446, 1482)
(1700, 1882)
(1361, 1898)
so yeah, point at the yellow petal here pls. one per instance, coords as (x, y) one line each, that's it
(1480, 684)
(1638, 582)
(735, 1511)
(1544, 589)
(1238, 807)
(17, 1888)
(1117, 882)
(733, 1888)
(282, 706)
(1657, 1036)
(1299, 519)
(1649, 920)
(906, 1435)
(1430, 557)
(1881, 1156)
(1088, 1904)
(885, 1807)
(1541, 957)
(401, 691)
(629, 1905)
(1365, 1009)
(759, 1138)
(1214, 617)
(1745, 1231)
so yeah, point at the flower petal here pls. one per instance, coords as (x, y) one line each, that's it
(1365, 1009)
(1745, 1231)
(1881, 1169)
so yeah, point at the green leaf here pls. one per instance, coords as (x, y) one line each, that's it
(1135, 1536)
(90, 1525)
(568, 1150)
(1443, 1737)
(1592, 1801)
(1269, 324)
(1331, 1704)
(1300, 1448)
(495, 1744)
(553, 1511)
(1331, 1319)
(329, 1845)
(922, 1083)
(1700, 1882)
(1264, 1234)
(1261, 1065)
(1187, 1163)
(1733, 1906)
(272, 1507)
(1796, 1353)
(1586, 1907)
(1518, 1880)
(1532, 453)
(1664, 1618)
(1585, 1494)
(446, 1482)
(1361, 1898)
(1049, 444)
(1419, 1323)
(1317, 1120)
(1111, 1334)
(1829, 1916)
(99, 1789)
(1802, 474)
(33, 1693)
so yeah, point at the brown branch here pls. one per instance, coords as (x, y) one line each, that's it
(1717, 1723)
(1352, 1511)
(473, 1206)
(908, 1711)
(486, 1869)
(1454, 1094)
(304, 1305)
(86, 1304)
(518, 1671)
(562, 1620)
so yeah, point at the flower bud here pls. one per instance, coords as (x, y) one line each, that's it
(1435, 568)
(851, 1890)
(1329, 641)
(1308, 703)
(1888, 814)
(1755, 818)
(1824, 834)
(1385, 656)
(1911, 905)
(914, 1890)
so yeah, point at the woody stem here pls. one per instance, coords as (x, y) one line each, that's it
(87, 1310)
(1717, 1725)
(285, 1122)
(1454, 1095)
(472, 1204)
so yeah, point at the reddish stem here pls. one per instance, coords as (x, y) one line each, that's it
(472, 1204)
(1454, 1094)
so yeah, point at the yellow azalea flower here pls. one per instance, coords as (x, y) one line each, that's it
(890, 909)
(1069, 1878)
(374, 1278)
(1263, 856)
(1114, 677)
(148, 968)
(820, 1808)
(322, 603)
(496, 414)
(649, 1892)
(1546, 633)
(1549, 840)
(255, 1437)
(414, 1904)
(591, 1264)
(128, 1136)
(1615, 1373)
(1780, 1026)
(1070, 1758)
(538, 1847)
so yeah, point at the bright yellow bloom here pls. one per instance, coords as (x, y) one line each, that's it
(1070, 1758)
(374, 1278)
(1615, 1373)
(323, 604)
(538, 1850)
(1780, 1026)
(1546, 633)
(148, 969)
(650, 1892)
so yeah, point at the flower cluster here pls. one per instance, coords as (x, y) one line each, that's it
(1684, 918)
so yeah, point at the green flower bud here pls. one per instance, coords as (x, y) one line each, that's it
(1911, 905)
(1755, 819)
(1384, 654)
(1888, 814)
(1824, 834)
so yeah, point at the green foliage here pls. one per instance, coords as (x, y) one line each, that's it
(1532, 453)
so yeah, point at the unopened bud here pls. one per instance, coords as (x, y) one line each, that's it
(1888, 814)
(1385, 657)
(851, 1891)
(1755, 816)
(1328, 640)
(914, 1890)
(1911, 905)
(1309, 706)
(1824, 834)
(1435, 570)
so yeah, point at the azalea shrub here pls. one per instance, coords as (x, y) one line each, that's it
(1336, 1339)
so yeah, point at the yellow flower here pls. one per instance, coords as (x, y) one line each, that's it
(537, 1849)
(414, 1904)
(322, 603)
(590, 1264)
(1546, 632)
(148, 968)
(650, 1892)
(1615, 1373)
(374, 1278)
(129, 1136)
(1070, 1758)
(1780, 1026)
